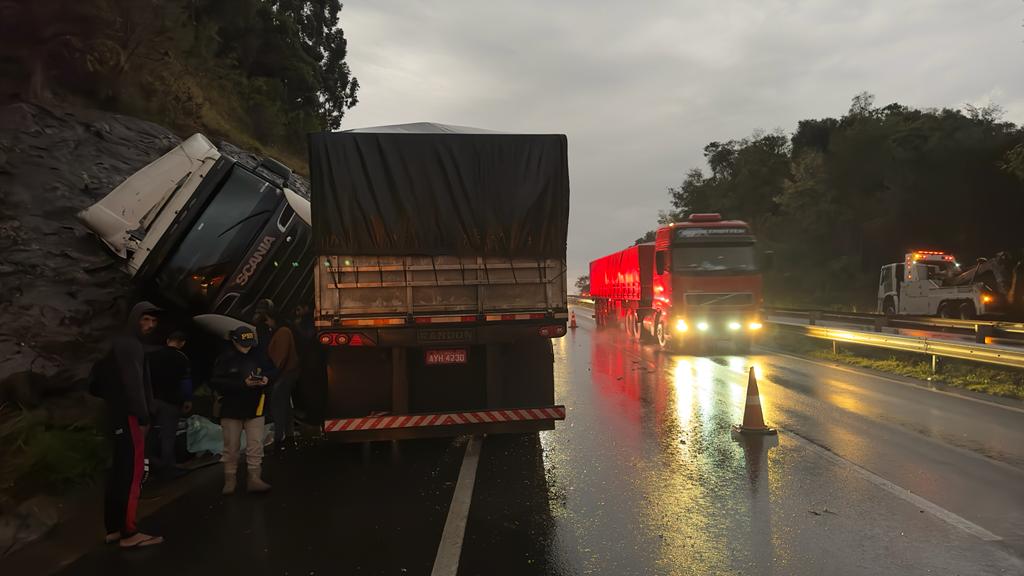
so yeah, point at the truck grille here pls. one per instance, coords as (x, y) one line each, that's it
(717, 299)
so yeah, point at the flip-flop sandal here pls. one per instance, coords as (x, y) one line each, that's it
(151, 541)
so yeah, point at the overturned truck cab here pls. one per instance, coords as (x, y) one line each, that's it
(439, 279)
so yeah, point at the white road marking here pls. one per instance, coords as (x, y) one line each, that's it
(898, 491)
(893, 380)
(446, 563)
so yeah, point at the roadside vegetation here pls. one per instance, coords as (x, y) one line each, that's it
(1005, 382)
(41, 452)
(839, 197)
(258, 73)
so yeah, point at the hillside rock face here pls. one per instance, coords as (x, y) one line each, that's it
(61, 294)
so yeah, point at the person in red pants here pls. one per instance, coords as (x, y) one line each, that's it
(122, 380)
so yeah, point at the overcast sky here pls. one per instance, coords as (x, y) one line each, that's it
(641, 87)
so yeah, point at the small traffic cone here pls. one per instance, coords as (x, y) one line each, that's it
(572, 319)
(753, 419)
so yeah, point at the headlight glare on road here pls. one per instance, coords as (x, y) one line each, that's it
(734, 326)
(681, 325)
(703, 326)
(754, 325)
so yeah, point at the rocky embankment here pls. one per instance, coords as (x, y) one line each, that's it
(61, 294)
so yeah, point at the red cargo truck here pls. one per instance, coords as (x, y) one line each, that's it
(698, 283)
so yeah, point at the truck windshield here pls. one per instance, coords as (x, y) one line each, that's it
(714, 258)
(218, 240)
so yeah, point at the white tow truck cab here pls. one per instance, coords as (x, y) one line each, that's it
(918, 287)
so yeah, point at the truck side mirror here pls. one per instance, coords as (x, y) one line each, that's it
(768, 260)
(659, 262)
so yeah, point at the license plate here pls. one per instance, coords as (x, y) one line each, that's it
(451, 356)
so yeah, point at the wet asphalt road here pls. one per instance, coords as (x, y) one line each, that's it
(868, 476)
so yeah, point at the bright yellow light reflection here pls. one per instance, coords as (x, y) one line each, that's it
(702, 326)
(681, 325)
(734, 326)
(682, 378)
(754, 325)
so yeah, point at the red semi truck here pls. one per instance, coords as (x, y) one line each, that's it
(699, 282)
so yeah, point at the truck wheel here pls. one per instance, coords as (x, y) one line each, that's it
(660, 334)
(889, 308)
(967, 311)
(948, 310)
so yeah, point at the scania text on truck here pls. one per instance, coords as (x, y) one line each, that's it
(698, 283)
(440, 278)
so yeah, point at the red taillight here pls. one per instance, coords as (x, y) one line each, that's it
(551, 331)
(342, 339)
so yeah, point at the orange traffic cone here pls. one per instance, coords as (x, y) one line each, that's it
(572, 319)
(753, 419)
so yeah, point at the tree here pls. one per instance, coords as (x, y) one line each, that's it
(648, 236)
(843, 196)
(583, 284)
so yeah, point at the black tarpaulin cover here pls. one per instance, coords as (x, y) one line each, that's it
(428, 189)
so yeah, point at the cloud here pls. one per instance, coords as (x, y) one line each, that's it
(641, 87)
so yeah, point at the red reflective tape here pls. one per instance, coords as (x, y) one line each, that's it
(537, 414)
(414, 420)
(400, 421)
(386, 422)
(525, 415)
(472, 417)
(508, 415)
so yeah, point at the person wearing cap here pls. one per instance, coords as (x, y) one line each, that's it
(122, 380)
(170, 370)
(242, 376)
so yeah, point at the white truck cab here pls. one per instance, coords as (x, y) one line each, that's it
(209, 234)
(918, 287)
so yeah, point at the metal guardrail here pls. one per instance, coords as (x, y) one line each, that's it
(581, 302)
(981, 329)
(934, 347)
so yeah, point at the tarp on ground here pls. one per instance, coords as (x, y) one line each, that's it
(429, 189)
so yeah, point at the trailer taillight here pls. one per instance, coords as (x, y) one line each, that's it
(327, 339)
(551, 331)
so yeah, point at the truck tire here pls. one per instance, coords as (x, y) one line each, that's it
(948, 310)
(967, 311)
(889, 308)
(661, 335)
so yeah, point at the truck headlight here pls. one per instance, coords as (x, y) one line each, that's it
(681, 325)
(754, 325)
(702, 326)
(734, 326)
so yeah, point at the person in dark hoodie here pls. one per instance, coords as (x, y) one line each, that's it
(170, 372)
(241, 375)
(124, 385)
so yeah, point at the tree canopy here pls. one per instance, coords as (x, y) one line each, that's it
(841, 197)
(261, 73)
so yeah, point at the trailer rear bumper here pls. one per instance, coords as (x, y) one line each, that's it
(403, 426)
